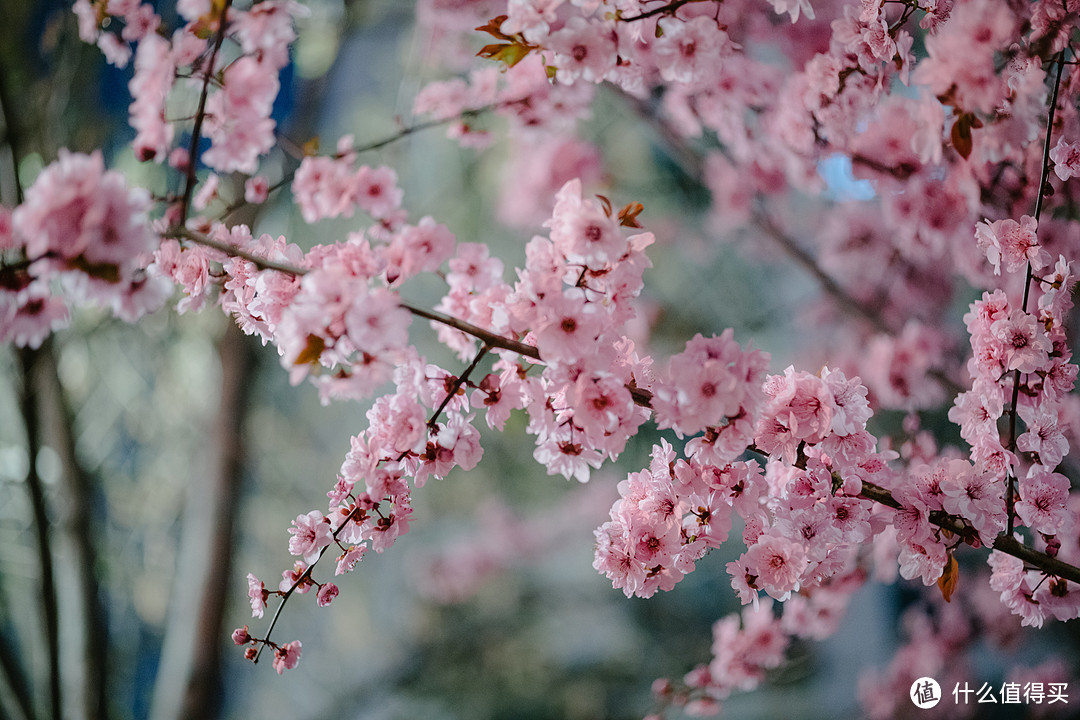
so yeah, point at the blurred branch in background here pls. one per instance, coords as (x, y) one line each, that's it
(189, 683)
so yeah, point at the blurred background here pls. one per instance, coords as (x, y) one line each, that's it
(148, 468)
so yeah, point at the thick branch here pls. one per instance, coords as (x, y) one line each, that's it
(1004, 542)
(641, 397)
(488, 337)
(14, 679)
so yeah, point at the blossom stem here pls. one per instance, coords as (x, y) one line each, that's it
(670, 8)
(492, 339)
(1010, 498)
(306, 575)
(458, 382)
(383, 142)
(200, 113)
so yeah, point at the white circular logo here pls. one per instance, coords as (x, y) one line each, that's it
(925, 693)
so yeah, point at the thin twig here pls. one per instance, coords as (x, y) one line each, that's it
(458, 382)
(200, 114)
(383, 142)
(1010, 499)
(670, 8)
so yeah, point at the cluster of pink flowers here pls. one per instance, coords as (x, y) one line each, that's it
(237, 111)
(326, 187)
(80, 226)
(1022, 361)
(960, 148)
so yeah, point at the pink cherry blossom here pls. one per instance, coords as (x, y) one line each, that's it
(1024, 342)
(76, 211)
(1066, 157)
(258, 594)
(287, 656)
(1042, 500)
(326, 594)
(1011, 244)
(310, 534)
(583, 49)
(690, 52)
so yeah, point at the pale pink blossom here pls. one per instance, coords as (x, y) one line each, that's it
(583, 49)
(154, 75)
(1043, 495)
(77, 215)
(690, 51)
(1044, 435)
(348, 559)
(258, 595)
(287, 656)
(1026, 347)
(1066, 157)
(326, 594)
(256, 189)
(310, 534)
(238, 121)
(1011, 244)
(774, 564)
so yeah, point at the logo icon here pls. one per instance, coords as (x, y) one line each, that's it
(925, 693)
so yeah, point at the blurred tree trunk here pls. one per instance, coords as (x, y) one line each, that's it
(79, 520)
(189, 684)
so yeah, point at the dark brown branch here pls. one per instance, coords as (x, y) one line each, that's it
(458, 382)
(488, 337)
(232, 250)
(200, 113)
(304, 577)
(1010, 489)
(189, 681)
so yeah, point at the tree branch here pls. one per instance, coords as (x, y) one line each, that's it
(492, 339)
(383, 142)
(670, 8)
(200, 113)
(1010, 489)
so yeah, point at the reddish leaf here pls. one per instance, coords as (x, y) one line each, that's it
(311, 352)
(961, 134)
(494, 28)
(949, 578)
(511, 52)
